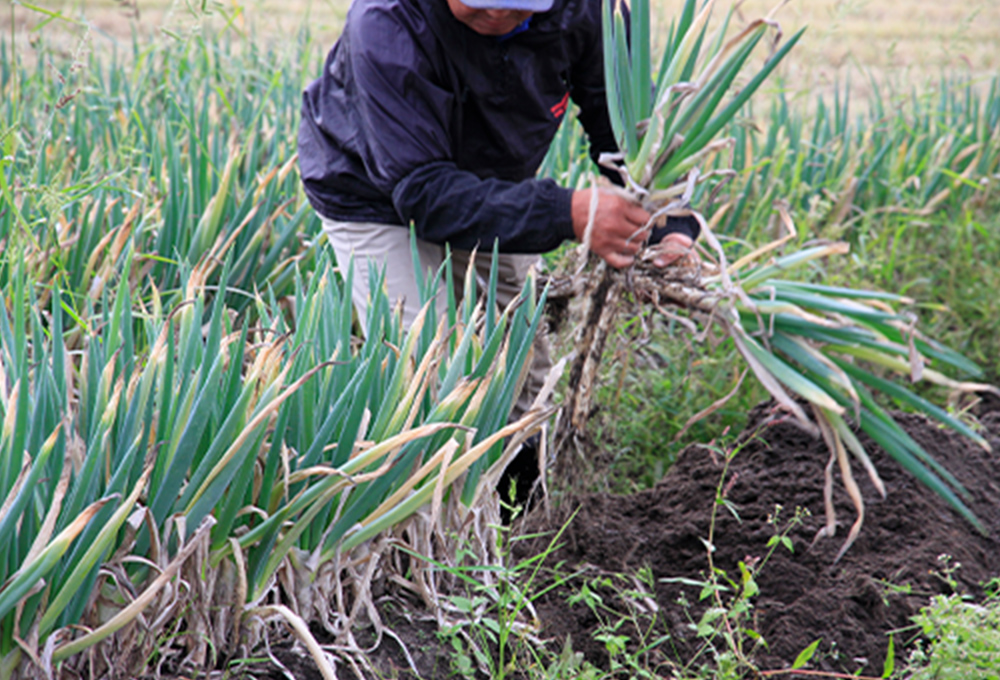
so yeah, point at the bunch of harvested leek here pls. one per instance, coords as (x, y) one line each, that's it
(806, 344)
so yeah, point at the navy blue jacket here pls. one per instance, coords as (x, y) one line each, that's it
(418, 118)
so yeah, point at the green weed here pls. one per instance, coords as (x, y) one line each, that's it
(960, 639)
(492, 627)
(629, 625)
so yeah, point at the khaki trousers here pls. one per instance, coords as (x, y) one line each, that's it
(387, 246)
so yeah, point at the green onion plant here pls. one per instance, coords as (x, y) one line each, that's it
(278, 446)
(829, 356)
(196, 435)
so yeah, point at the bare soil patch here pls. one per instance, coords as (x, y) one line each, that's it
(851, 605)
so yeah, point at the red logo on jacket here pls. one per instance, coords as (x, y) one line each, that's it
(559, 109)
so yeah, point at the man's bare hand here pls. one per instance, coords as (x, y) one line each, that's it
(672, 248)
(617, 234)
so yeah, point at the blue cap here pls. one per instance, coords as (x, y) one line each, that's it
(522, 5)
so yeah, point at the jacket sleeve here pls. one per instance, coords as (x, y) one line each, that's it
(404, 117)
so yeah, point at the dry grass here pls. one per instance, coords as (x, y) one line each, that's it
(898, 41)
(102, 24)
(893, 35)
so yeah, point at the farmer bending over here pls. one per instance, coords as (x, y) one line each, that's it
(437, 114)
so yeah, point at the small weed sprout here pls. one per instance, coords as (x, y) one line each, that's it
(728, 626)
(490, 635)
(634, 635)
(947, 571)
(890, 589)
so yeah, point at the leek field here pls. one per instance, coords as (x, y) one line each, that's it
(203, 455)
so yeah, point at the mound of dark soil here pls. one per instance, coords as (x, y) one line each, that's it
(851, 605)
